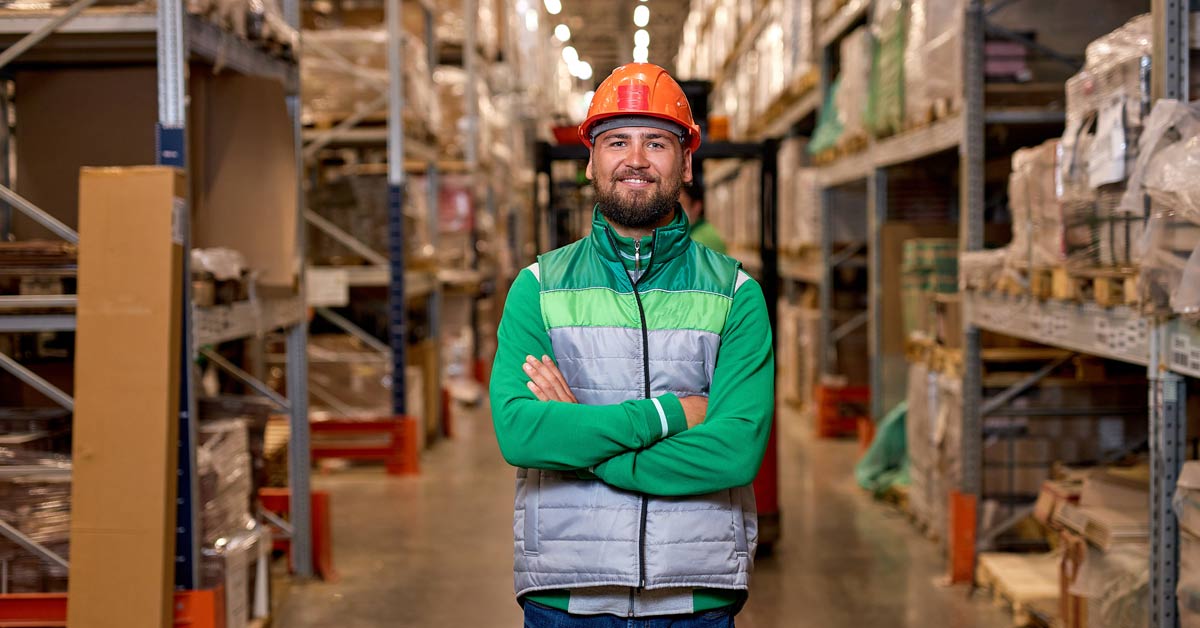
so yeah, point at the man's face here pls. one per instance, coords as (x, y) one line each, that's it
(638, 172)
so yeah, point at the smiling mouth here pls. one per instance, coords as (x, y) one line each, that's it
(635, 181)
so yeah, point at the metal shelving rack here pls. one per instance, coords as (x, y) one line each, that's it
(172, 38)
(1170, 349)
(405, 155)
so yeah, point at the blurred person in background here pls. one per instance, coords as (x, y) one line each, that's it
(691, 197)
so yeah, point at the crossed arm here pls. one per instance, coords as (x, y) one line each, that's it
(708, 445)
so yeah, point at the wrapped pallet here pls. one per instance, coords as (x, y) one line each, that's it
(947, 437)
(1187, 508)
(1106, 105)
(799, 201)
(342, 70)
(885, 100)
(1043, 233)
(932, 57)
(918, 425)
(1168, 171)
(35, 498)
(854, 86)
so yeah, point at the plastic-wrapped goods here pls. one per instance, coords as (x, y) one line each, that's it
(796, 21)
(451, 27)
(1106, 105)
(1168, 249)
(851, 99)
(1187, 508)
(1187, 592)
(885, 101)
(35, 498)
(932, 56)
(747, 200)
(799, 201)
(980, 270)
(1039, 228)
(344, 69)
(237, 565)
(1116, 585)
(224, 472)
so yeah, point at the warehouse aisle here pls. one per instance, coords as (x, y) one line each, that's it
(435, 551)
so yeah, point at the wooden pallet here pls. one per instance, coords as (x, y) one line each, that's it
(848, 145)
(793, 93)
(1019, 581)
(1106, 287)
(937, 110)
(1005, 365)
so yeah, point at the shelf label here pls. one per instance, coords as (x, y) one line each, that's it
(327, 287)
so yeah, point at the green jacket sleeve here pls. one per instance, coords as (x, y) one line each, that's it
(727, 449)
(553, 435)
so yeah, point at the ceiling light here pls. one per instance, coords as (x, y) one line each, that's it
(585, 71)
(641, 38)
(641, 16)
(641, 55)
(531, 20)
(570, 55)
(553, 7)
(562, 32)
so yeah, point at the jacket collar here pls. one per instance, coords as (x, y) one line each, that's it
(666, 242)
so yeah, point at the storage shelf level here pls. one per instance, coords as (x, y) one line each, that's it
(110, 34)
(1117, 333)
(245, 319)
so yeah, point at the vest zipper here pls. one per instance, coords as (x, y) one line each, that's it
(637, 262)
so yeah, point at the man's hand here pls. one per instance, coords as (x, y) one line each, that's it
(694, 408)
(546, 381)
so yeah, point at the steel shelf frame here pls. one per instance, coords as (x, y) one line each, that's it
(387, 269)
(1170, 349)
(171, 38)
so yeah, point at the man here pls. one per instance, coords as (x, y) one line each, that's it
(691, 197)
(633, 387)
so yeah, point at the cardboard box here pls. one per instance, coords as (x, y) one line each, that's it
(1022, 450)
(241, 149)
(126, 427)
(244, 172)
(115, 128)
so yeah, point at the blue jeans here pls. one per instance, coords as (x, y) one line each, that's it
(539, 616)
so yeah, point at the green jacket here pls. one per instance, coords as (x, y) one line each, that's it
(633, 441)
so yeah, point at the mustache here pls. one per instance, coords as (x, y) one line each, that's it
(630, 174)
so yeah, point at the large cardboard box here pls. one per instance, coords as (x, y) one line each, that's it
(244, 172)
(126, 430)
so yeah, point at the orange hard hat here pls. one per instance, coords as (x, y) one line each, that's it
(641, 90)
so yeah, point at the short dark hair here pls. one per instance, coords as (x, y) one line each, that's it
(695, 190)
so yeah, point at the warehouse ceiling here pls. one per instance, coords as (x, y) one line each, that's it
(602, 32)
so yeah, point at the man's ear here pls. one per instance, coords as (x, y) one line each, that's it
(588, 171)
(687, 165)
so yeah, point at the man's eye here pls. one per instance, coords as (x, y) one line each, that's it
(617, 144)
(656, 145)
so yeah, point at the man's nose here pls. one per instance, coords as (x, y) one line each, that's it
(637, 158)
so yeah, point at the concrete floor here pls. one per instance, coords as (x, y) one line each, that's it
(436, 551)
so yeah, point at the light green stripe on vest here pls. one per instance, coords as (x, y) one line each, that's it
(603, 307)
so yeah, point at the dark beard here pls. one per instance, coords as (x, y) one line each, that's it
(637, 214)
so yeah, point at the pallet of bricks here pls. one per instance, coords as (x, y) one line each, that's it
(1081, 229)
